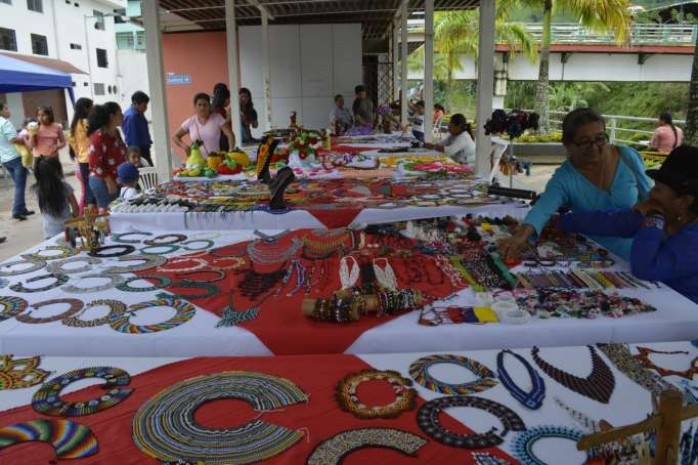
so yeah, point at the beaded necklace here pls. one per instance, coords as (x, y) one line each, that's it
(532, 399)
(347, 397)
(255, 284)
(119, 237)
(624, 361)
(522, 446)
(184, 312)
(598, 385)
(113, 281)
(164, 427)
(644, 357)
(428, 421)
(159, 249)
(385, 275)
(323, 244)
(21, 372)
(264, 253)
(60, 279)
(162, 282)
(75, 306)
(209, 290)
(227, 263)
(35, 266)
(219, 275)
(332, 451)
(11, 306)
(64, 252)
(47, 400)
(58, 267)
(69, 440)
(301, 273)
(419, 371)
(187, 244)
(348, 277)
(116, 309)
(232, 317)
(485, 458)
(149, 262)
(107, 251)
(166, 239)
(199, 264)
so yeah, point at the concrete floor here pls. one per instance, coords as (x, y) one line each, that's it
(22, 235)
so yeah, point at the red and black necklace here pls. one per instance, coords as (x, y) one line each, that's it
(598, 385)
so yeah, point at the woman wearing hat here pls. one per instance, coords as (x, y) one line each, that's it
(664, 228)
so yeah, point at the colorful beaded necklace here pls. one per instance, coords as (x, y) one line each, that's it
(532, 399)
(149, 262)
(64, 252)
(19, 373)
(69, 440)
(5, 269)
(347, 397)
(644, 357)
(625, 362)
(598, 385)
(116, 309)
(113, 280)
(419, 371)
(164, 427)
(161, 283)
(523, 442)
(428, 421)
(59, 280)
(75, 306)
(47, 400)
(333, 450)
(11, 306)
(58, 267)
(184, 312)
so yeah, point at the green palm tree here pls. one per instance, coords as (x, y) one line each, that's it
(599, 15)
(692, 113)
(456, 33)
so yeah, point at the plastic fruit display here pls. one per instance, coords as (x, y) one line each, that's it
(239, 157)
(195, 160)
(214, 160)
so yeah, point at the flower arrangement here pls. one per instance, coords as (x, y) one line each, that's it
(385, 112)
(303, 142)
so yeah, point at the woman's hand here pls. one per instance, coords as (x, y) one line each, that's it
(512, 247)
(647, 206)
(111, 185)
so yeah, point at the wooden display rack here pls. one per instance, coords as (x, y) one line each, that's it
(666, 421)
(87, 237)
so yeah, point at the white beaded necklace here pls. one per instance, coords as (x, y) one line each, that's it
(385, 276)
(348, 277)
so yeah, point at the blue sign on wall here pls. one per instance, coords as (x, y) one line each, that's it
(178, 78)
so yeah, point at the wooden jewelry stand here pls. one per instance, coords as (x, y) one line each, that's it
(666, 421)
(87, 237)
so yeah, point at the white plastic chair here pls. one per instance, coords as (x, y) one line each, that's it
(436, 130)
(147, 178)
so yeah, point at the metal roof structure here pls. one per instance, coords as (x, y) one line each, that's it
(375, 16)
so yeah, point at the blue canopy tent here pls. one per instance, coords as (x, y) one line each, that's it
(17, 75)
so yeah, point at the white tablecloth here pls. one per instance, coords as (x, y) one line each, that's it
(675, 319)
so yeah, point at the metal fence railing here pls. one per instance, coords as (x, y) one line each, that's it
(640, 34)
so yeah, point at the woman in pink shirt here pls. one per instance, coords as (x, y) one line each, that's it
(48, 139)
(205, 126)
(667, 136)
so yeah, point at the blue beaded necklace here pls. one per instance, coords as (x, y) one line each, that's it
(533, 399)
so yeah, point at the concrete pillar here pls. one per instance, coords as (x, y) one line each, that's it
(265, 68)
(485, 87)
(403, 62)
(394, 56)
(162, 155)
(428, 68)
(231, 35)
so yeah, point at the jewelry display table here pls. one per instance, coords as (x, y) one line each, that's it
(515, 407)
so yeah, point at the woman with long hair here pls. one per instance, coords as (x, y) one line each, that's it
(80, 150)
(205, 126)
(55, 196)
(460, 144)
(220, 101)
(667, 136)
(107, 151)
(248, 115)
(47, 139)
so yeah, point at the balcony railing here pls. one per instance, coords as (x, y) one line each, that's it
(641, 34)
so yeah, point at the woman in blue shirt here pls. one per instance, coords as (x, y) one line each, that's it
(664, 229)
(596, 176)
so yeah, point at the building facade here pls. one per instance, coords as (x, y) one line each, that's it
(79, 32)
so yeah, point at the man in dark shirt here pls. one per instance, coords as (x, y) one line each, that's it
(362, 107)
(135, 126)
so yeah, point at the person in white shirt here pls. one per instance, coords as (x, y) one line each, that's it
(460, 145)
(340, 117)
(418, 121)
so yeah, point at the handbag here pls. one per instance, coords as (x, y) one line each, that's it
(27, 158)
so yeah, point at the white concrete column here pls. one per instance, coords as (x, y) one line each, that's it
(231, 35)
(394, 56)
(265, 68)
(485, 87)
(428, 68)
(403, 63)
(162, 155)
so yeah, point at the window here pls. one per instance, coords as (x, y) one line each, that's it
(102, 61)
(99, 88)
(8, 2)
(99, 20)
(75, 47)
(39, 45)
(74, 83)
(36, 5)
(8, 39)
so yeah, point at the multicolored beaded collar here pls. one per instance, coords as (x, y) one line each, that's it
(625, 362)
(184, 312)
(333, 450)
(347, 397)
(419, 371)
(523, 442)
(69, 440)
(18, 373)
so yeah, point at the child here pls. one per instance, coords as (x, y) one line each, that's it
(418, 121)
(133, 156)
(128, 177)
(55, 196)
(27, 157)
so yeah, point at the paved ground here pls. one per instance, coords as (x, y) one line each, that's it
(22, 235)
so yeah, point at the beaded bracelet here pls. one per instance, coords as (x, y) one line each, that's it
(75, 306)
(116, 309)
(523, 442)
(347, 397)
(11, 306)
(419, 371)
(47, 400)
(332, 451)
(60, 279)
(35, 266)
(428, 421)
